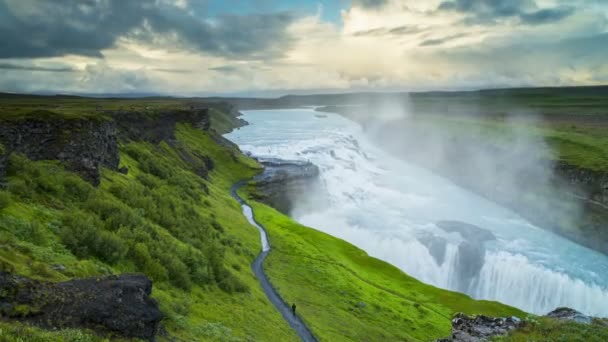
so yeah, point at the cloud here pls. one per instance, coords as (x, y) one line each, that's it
(172, 71)
(526, 11)
(370, 3)
(225, 68)
(11, 66)
(546, 15)
(39, 28)
(440, 41)
(398, 30)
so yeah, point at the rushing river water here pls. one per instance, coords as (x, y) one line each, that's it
(391, 209)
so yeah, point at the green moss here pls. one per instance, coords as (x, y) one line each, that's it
(5, 199)
(23, 310)
(16, 332)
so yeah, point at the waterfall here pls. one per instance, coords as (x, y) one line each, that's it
(390, 209)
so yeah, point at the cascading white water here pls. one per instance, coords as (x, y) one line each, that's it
(391, 209)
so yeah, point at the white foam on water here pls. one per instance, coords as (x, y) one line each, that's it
(386, 206)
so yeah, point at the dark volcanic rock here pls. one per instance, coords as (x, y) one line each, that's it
(568, 314)
(156, 127)
(480, 328)
(115, 304)
(85, 145)
(283, 183)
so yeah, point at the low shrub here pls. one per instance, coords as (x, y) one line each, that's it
(5, 199)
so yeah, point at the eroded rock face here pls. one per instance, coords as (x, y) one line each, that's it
(155, 128)
(115, 304)
(84, 145)
(480, 328)
(285, 182)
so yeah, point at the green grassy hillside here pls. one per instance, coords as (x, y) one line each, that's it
(161, 219)
(345, 295)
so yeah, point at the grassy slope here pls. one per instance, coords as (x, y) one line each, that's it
(346, 295)
(42, 196)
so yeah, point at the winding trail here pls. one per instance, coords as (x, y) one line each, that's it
(294, 321)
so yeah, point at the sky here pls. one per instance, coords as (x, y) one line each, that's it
(275, 47)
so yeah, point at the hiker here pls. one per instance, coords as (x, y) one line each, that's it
(293, 309)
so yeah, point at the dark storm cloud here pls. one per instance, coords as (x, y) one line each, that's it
(490, 11)
(39, 28)
(10, 66)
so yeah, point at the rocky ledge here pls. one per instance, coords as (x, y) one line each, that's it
(286, 182)
(85, 145)
(118, 305)
(483, 328)
(480, 328)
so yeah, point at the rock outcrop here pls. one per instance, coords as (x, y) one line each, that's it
(284, 183)
(87, 144)
(156, 127)
(84, 144)
(567, 314)
(480, 328)
(109, 305)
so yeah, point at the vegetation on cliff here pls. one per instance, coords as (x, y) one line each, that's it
(160, 218)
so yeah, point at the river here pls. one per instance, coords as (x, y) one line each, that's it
(392, 210)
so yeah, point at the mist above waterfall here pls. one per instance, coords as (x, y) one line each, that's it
(396, 209)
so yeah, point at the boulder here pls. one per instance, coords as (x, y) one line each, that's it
(119, 305)
(567, 314)
(480, 328)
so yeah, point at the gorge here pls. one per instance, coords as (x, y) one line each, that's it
(394, 211)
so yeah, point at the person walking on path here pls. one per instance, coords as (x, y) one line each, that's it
(293, 309)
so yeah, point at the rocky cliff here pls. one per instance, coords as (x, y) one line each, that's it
(156, 127)
(84, 145)
(285, 183)
(87, 144)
